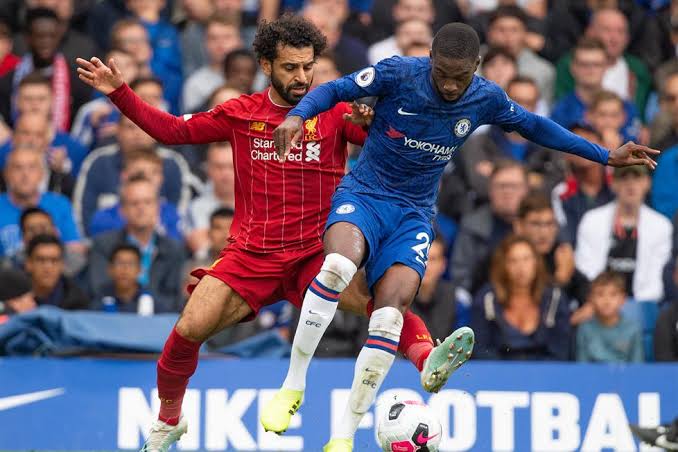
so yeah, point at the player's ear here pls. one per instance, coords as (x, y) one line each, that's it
(477, 63)
(266, 66)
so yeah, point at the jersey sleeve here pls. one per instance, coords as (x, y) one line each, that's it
(543, 131)
(213, 125)
(372, 81)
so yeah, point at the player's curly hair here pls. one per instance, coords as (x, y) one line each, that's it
(288, 30)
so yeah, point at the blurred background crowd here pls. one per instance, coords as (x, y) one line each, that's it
(546, 255)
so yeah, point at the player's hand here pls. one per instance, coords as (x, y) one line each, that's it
(633, 154)
(287, 135)
(361, 115)
(99, 76)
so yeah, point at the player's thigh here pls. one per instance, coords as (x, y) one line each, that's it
(397, 287)
(212, 304)
(346, 239)
(356, 296)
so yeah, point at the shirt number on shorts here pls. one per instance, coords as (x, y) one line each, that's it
(422, 248)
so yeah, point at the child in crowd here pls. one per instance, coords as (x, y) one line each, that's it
(609, 336)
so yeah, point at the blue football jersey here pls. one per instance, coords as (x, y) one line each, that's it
(415, 132)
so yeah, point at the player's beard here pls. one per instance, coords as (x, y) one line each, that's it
(286, 91)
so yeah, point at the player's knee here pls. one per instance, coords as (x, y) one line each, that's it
(189, 329)
(337, 271)
(386, 322)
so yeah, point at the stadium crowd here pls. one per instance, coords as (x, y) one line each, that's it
(545, 255)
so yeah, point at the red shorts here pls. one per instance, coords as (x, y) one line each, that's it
(264, 279)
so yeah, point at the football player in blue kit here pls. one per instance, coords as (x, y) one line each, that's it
(381, 213)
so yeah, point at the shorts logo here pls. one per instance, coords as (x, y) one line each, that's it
(345, 208)
(462, 127)
(365, 77)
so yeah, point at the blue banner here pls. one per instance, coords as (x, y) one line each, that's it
(97, 405)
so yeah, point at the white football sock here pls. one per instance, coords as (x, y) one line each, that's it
(373, 363)
(317, 311)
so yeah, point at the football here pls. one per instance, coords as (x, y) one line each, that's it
(408, 426)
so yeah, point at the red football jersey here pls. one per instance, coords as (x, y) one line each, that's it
(278, 205)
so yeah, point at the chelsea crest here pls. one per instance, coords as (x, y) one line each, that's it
(462, 127)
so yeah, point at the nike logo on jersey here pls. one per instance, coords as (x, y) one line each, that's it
(406, 113)
(7, 403)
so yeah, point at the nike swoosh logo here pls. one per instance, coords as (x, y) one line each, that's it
(421, 439)
(7, 403)
(313, 312)
(406, 113)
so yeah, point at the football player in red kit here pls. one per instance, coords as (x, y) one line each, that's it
(275, 249)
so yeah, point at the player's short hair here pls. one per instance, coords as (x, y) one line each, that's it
(534, 202)
(32, 211)
(124, 247)
(35, 78)
(506, 164)
(143, 80)
(288, 30)
(609, 278)
(44, 239)
(35, 14)
(605, 96)
(512, 11)
(456, 40)
(222, 212)
(136, 155)
(238, 53)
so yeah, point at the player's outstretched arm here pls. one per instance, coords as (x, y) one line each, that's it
(162, 126)
(633, 154)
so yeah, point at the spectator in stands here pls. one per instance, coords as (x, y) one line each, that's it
(664, 127)
(45, 263)
(625, 75)
(518, 316)
(499, 66)
(221, 38)
(42, 36)
(15, 293)
(508, 28)
(148, 165)
(434, 302)
(609, 336)
(164, 41)
(406, 33)
(666, 332)
(537, 222)
(161, 257)
(240, 70)
(325, 70)
(35, 221)
(585, 188)
(96, 122)
(350, 53)
(72, 42)
(384, 16)
(192, 35)
(122, 292)
(545, 168)
(24, 173)
(607, 116)
(627, 236)
(418, 50)
(99, 180)
(32, 131)
(222, 94)
(220, 192)
(8, 59)
(34, 95)
(482, 229)
(588, 65)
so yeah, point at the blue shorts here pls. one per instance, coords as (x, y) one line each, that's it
(394, 234)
